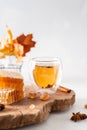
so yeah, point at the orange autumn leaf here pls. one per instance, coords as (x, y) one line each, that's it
(26, 42)
(20, 38)
(27, 39)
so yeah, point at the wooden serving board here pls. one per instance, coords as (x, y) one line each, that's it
(19, 114)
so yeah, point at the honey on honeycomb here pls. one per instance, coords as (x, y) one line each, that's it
(11, 81)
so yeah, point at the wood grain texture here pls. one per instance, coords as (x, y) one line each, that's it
(19, 114)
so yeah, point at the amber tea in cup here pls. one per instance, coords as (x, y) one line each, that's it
(46, 72)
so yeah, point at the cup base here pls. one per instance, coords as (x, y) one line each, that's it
(48, 90)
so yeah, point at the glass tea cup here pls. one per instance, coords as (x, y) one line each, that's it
(46, 73)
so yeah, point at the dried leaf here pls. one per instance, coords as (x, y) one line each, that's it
(2, 55)
(9, 34)
(18, 46)
(27, 39)
(26, 42)
(18, 49)
(20, 38)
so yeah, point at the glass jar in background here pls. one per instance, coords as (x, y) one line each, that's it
(9, 63)
(46, 73)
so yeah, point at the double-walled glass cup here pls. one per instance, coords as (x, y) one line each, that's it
(46, 73)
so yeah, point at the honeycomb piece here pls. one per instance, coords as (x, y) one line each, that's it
(7, 96)
(32, 95)
(44, 96)
(32, 106)
(14, 81)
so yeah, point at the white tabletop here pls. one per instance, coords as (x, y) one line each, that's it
(61, 120)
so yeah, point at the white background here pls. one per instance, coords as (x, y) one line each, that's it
(60, 29)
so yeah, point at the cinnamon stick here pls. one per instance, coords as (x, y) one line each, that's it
(63, 89)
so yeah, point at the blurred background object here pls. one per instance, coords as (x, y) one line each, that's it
(59, 28)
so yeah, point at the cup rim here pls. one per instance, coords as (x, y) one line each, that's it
(46, 59)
